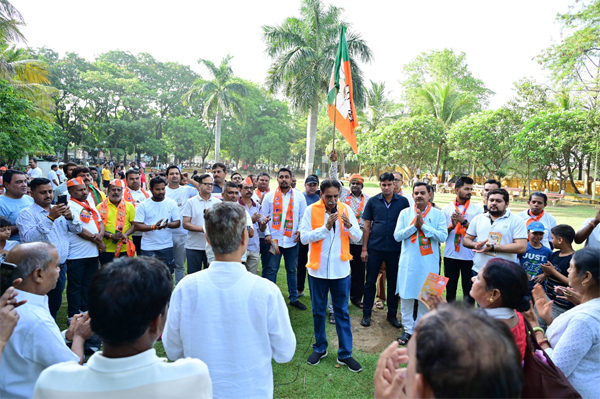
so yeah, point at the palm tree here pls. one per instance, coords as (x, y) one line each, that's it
(222, 95)
(29, 78)
(379, 110)
(10, 22)
(303, 51)
(445, 103)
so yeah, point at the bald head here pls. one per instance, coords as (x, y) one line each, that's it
(31, 256)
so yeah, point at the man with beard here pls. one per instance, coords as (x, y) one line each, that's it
(498, 233)
(135, 195)
(156, 218)
(178, 190)
(328, 226)
(262, 187)
(420, 229)
(286, 205)
(488, 186)
(458, 260)
(117, 216)
(95, 196)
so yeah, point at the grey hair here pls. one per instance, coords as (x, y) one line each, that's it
(36, 257)
(227, 220)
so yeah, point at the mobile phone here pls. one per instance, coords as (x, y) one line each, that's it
(6, 276)
(62, 199)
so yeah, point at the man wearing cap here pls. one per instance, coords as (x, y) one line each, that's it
(357, 200)
(537, 213)
(117, 216)
(95, 196)
(84, 248)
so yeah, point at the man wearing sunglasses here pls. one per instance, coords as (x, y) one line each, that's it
(193, 222)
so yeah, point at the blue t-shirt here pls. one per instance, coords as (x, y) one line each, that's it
(10, 208)
(312, 198)
(532, 261)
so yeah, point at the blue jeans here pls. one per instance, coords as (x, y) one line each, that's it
(166, 255)
(264, 256)
(340, 294)
(55, 295)
(290, 259)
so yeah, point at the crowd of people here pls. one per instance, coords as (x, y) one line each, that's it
(119, 249)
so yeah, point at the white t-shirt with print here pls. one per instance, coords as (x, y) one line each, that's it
(181, 195)
(504, 230)
(151, 212)
(80, 248)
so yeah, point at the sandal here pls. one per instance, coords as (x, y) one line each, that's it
(379, 305)
(403, 339)
(331, 318)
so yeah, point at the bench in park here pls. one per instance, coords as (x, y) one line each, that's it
(478, 189)
(513, 192)
(446, 188)
(554, 197)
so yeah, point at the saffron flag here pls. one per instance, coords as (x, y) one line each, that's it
(340, 99)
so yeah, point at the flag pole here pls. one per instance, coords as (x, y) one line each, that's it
(334, 118)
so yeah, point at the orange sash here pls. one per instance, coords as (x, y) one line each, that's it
(260, 194)
(120, 221)
(460, 230)
(361, 206)
(316, 220)
(87, 213)
(533, 218)
(129, 198)
(288, 224)
(424, 243)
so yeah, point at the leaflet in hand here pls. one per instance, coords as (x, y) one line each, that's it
(274, 247)
(434, 285)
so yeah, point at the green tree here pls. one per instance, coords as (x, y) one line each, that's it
(187, 137)
(11, 22)
(303, 50)
(20, 132)
(222, 95)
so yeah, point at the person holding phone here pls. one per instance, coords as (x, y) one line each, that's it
(8, 315)
(44, 222)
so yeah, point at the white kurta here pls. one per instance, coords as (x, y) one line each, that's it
(414, 267)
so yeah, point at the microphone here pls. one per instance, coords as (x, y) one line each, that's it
(333, 211)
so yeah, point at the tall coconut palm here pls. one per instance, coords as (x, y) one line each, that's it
(11, 21)
(445, 103)
(303, 51)
(222, 95)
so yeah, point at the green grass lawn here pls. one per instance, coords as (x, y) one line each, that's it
(297, 379)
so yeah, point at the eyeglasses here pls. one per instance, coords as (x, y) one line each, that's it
(208, 184)
(248, 188)
(397, 180)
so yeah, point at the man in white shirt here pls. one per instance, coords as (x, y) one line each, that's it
(328, 225)
(193, 222)
(53, 177)
(497, 233)
(33, 171)
(398, 184)
(60, 173)
(128, 366)
(82, 262)
(241, 318)
(135, 195)
(590, 232)
(286, 205)
(156, 218)
(36, 342)
(180, 194)
(458, 260)
(537, 213)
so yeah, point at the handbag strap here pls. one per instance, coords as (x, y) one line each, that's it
(532, 343)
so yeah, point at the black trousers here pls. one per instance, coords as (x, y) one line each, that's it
(453, 268)
(376, 259)
(79, 277)
(107, 257)
(302, 261)
(357, 273)
(196, 260)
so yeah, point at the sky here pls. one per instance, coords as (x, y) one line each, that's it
(500, 39)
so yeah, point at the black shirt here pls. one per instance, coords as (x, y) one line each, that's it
(383, 219)
(561, 263)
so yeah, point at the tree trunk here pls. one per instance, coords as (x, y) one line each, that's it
(311, 137)
(580, 175)
(218, 136)
(439, 155)
(570, 171)
(66, 154)
(528, 178)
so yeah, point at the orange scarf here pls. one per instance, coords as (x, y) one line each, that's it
(424, 243)
(278, 212)
(361, 206)
(460, 230)
(316, 220)
(129, 198)
(88, 213)
(534, 218)
(260, 194)
(120, 221)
